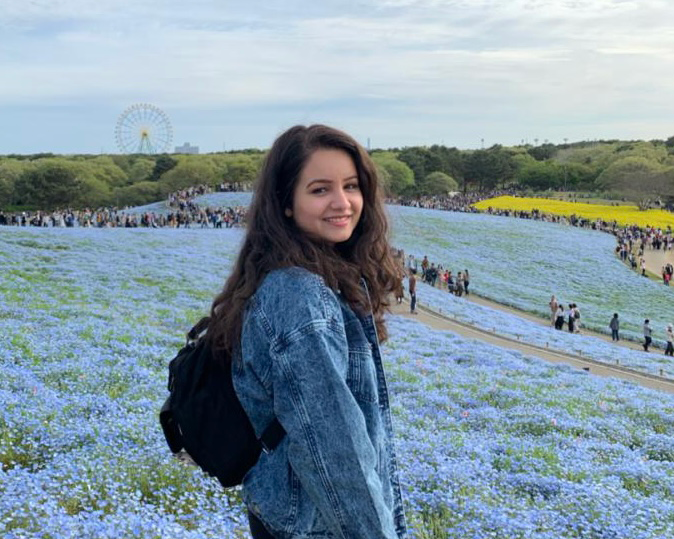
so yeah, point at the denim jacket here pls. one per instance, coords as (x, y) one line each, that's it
(309, 360)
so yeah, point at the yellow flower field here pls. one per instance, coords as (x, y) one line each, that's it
(624, 215)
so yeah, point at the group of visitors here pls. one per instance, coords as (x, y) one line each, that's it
(559, 315)
(669, 337)
(571, 316)
(461, 202)
(438, 276)
(185, 214)
(633, 242)
(121, 218)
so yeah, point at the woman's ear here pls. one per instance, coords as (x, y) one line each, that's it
(288, 212)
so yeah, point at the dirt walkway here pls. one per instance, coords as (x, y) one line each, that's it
(655, 260)
(438, 321)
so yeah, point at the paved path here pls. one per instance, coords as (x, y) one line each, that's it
(438, 321)
(655, 260)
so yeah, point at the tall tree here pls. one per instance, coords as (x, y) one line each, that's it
(438, 183)
(637, 178)
(400, 176)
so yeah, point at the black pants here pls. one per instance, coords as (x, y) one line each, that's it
(257, 529)
(669, 351)
(647, 343)
(413, 301)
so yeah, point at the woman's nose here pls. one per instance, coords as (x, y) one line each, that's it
(340, 199)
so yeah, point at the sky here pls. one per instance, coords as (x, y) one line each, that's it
(392, 73)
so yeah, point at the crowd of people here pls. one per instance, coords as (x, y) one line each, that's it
(437, 276)
(185, 213)
(461, 202)
(559, 315)
(632, 240)
(431, 274)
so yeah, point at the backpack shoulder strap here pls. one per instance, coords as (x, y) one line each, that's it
(272, 436)
(198, 329)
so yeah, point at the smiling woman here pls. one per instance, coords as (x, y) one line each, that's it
(327, 202)
(301, 317)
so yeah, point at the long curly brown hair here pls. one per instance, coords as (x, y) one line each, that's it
(274, 241)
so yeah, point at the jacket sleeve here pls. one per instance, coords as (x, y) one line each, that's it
(328, 445)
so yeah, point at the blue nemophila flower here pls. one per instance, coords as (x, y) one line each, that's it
(491, 443)
(523, 262)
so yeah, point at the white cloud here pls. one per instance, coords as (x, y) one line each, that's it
(493, 61)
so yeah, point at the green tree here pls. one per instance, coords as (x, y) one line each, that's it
(399, 177)
(162, 164)
(486, 169)
(140, 171)
(539, 175)
(543, 152)
(638, 179)
(10, 171)
(51, 183)
(189, 171)
(138, 194)
(438, 183)
(104, 169)
(241, 168)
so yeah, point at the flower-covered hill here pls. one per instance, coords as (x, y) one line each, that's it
(491, 444)
(522, 263)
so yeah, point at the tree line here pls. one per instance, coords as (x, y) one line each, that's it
(638, 171)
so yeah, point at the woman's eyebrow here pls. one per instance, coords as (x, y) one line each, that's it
(327, 180)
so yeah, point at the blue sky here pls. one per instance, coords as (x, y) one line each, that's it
(397, 72)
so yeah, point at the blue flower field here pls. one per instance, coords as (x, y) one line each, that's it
(522, 263)
(491, 444)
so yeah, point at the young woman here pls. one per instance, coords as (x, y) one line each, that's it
(302, 316)
(571, 318)
(669, 332)
(559, 317)
(553, 309)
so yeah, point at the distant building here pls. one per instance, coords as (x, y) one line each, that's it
(187, 148)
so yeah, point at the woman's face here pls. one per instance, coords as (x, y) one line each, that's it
(327, 202)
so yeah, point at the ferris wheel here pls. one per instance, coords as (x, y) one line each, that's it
(143, 128)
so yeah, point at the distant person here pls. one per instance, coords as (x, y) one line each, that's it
(450, 282)
(648, 331)
(614, 324)
(553, 309)
(459, 284)
(576, 318)
(413, 291)
(400, 287)
(411, 263)
(559, 317)
(466, 281)
(570, 318)
(669, 333)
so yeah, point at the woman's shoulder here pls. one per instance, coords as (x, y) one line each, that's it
(290, 281)
(295, 296)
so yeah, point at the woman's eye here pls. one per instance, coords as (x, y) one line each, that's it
(319, 191)
(352, 186)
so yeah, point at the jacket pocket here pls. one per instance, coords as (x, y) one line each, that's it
(361, 376)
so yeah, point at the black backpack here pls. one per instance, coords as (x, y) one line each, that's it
(204, 418)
